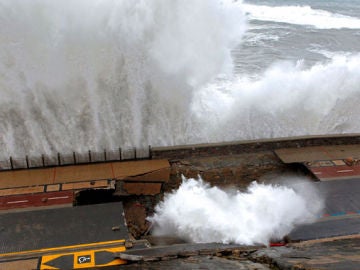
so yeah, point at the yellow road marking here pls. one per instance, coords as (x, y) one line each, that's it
(29, 252)
(82, 259)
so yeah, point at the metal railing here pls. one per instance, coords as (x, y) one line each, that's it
(43, 161)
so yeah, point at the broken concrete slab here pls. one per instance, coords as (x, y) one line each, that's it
(333, 253)
(184, 250)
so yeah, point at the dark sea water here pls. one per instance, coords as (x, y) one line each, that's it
(311, 31)
(80, 75)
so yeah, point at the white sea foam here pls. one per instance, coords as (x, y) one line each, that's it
(197, 212)
(331, 54)
(286, 100)
(301, 15)
(256, 39)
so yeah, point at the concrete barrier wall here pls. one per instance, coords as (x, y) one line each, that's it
(241, 147)
(175, 152)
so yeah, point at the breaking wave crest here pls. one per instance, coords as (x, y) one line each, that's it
(302, 15)
(288, 99)
(199, 213)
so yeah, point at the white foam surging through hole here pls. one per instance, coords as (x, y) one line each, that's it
(199, 213)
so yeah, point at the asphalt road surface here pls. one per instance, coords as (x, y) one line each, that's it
(341, 214)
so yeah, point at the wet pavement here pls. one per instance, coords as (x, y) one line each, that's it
(51, 228)
(329, 227)
(341, 215)
(341, 196)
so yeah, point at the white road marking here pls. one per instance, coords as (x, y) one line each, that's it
(343, 171)
(58, 198)
(17, 202)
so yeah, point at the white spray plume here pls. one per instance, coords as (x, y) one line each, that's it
(88, 74)
(95, 74)
(200, 213)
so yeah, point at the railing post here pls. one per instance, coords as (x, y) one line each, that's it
(136, 155)
(27, 161)
(11, 163)
(150, 152)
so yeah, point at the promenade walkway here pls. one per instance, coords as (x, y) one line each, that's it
(46, 186)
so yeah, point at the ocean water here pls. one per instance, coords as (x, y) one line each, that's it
(308, 31)
(296, 72)
(80, 75)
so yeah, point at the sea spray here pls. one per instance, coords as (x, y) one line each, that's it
(199, 213)
(87, 74)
